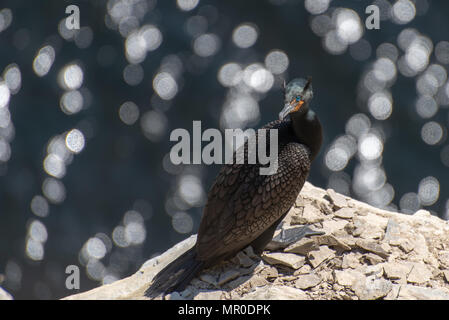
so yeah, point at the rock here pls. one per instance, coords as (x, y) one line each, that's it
(303, 246)
(311, 192)
(422, 213)
(332, 226)
(325, 207)
(288, 236)
(276, 293)
(134, 287)
(238, 282)
(244, 260)
(443, 258)
(347, 277)
(4, 295)
(249, 251)
(406, 245)
(332, 241)
(371, 288)
(174, 296)
(209, 295)
(419, 273)
(351, 260)
(373, 258)
(345, 213)
(395, 270)
(316, 257)
(228, 276)
(307, 281)
(393, 231)
(338, 200)
(375, 271)
(206, 277)
(299, 202)
(258, 281)
(420, 249)
(357, 252)
(369, 226)
(287, 259)
(374, 247)
(308, 215)
(269, 272)
(411, 292)
(305, 269)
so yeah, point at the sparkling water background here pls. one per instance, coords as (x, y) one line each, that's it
(86, 116)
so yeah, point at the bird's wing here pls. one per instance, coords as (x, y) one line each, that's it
(242, 203)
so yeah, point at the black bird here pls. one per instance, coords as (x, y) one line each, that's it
(243, 207)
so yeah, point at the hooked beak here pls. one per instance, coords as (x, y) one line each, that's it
(289, 108)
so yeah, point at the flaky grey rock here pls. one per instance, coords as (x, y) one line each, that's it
(341, 249)
(307, 281)
(317, 257)
(287, 259)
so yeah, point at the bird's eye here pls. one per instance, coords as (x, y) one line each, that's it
(298, 98)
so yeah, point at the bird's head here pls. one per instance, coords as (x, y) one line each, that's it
(297, 95)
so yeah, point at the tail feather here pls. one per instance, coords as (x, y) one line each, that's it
(175, 276)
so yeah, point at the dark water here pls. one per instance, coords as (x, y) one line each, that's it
(85, 118)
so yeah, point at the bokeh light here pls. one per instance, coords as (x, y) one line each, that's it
(245, 35)
(84, 130)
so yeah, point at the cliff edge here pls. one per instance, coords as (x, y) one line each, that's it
(346, 250)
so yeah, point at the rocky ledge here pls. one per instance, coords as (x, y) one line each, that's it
(348, 250)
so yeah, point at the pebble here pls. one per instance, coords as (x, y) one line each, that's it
(303, 246)
(288, 236)
(208, 295)
(332, 226)
(345, 213)
(206, 277)
(347, 277)
(228, 276)
(443, 258)
(406, 245)
(309, 215)
(411, 292)
(249, 251)
(307, 281)
(371, 288)
(395, 270)
(372, 246)
(419, 273)
(338, 200)
(174, 296)
(276, 293)
(332, 241)
(258, 281)
(351, 260)
(316, 257)
(291, 260)
(244, 260)
(373, 258)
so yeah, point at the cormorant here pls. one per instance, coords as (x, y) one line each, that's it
(243, 207)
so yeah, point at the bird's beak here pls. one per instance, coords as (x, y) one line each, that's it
(290, 107)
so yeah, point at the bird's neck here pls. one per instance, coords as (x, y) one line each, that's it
(308, 131)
